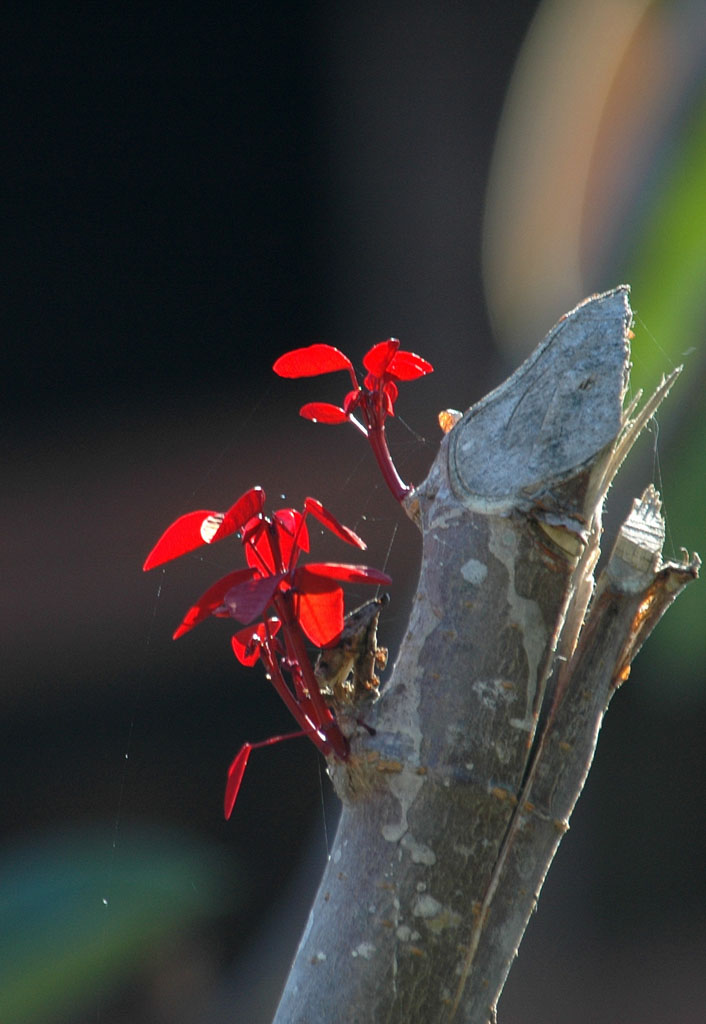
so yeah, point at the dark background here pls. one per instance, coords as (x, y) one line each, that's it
(186, 196)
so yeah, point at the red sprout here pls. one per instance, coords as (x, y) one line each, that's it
(386, 364)
(307, 602)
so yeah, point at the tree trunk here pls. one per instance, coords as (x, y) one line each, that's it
(454, 809)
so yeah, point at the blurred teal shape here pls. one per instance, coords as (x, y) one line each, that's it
(78, 917)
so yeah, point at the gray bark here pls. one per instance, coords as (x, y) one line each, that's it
(454, 810)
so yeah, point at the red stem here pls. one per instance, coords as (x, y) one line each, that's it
(306, 704)
(296, 709)
(296, 644)
(372, 407)
(279, 739)
(378, 442)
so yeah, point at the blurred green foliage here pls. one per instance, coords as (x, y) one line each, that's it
(667, 264)
(667, 271)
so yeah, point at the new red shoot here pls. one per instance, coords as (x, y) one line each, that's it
(281, 604)
(374, 400)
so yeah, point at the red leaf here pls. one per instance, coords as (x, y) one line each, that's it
(235, 778)
(248, 600)
(211, 599)
(390, 391)
(269, 545)
(409, 366)
(352, 401)
(312, 361)
(238, 766)
(389, 394)
(323, 412)
(379, 357)
(386, 359)
(246, 508)
(291, 534)
(185, 534)
(245, 647)
(258, 548)
(337, 571)
(319, 610)
(330, 522)
(246, 642)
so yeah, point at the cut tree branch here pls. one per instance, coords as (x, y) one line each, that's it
(486, 731)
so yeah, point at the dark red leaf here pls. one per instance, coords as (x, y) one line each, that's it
(331, 523)
(185, 534)
(379, 357)
(211, 599)
(323, 412)
(312, 361)
(248, 600)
